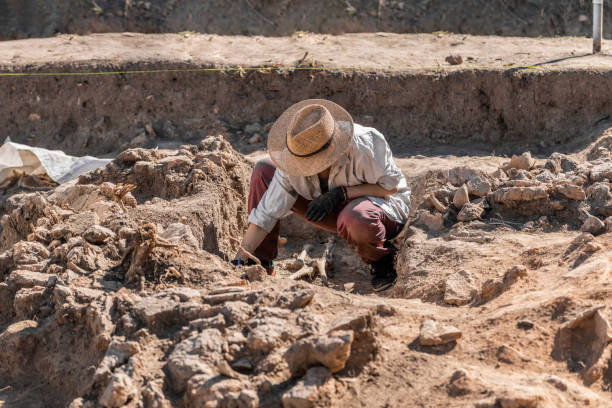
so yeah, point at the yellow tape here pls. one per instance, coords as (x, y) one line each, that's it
(278, 69)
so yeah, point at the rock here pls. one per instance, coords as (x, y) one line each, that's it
(592, 225)
(523, 162)
(433, 222)
(332, 351)
(509, 194)
(256, 138)
(153, 395)
(252, 128)
(27, 302)
(525, 324)
(236, 312)
(203, 391)
(434, 333)
(79, 223)
(181, 368)
(242, 365)
(305, 392)
(608, 223)
(454, 59)
(97, 234)
(256, 273)
(460, 289)
(118, 391)
(461, 197)
(478, 186)
(601, 171)
(26, 253)
(571, 191)
(470, 212)
(354, 322)
(267, 335)
(156, 312)
(179, 233)
(509, 355)
(27, 279)
(462, 383)
(461, 175)
(296, 297)
(117, 354)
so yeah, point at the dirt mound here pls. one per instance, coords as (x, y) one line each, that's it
(35, 18)
(114, 293)
(465, 206)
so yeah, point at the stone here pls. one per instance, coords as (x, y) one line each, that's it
(295, 297)
(27, 279)
(242, 365)
(267, 335)
(203, 391)
(117, 354)
(306, 391)
(601, 171)
(479, 186)
(608, 223)
(509, 194)
(454, 59)
(236, 312)
(571, 191)
(331, 351)
(256, 273)
(252, 128)
(433, 222)
(461, 197)
(461, 175)
(119, 390)
(523, 162)
(470, 212)
(182, 368)
(79, 223)
(27, 302)
(491, 288)
(509, 355)
(26, 252)
(256, 138)
(179, 233)
(156, 312)
(592, 225)
(434, 333)
(356, 322)
(460, 289)
(97, 234)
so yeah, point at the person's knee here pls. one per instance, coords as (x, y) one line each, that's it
(352, 223)
(263, 170)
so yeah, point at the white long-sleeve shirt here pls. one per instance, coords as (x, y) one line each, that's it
(368, 161)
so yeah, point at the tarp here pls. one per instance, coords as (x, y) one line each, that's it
(60, 167)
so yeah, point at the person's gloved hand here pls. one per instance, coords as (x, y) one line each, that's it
(325, 204)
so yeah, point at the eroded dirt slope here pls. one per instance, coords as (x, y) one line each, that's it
(115, 292)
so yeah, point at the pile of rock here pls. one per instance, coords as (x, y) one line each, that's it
(559, 186)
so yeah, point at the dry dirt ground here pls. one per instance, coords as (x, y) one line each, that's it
(116, 291)
(43, 18)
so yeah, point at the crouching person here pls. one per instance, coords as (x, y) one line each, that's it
(334, 174)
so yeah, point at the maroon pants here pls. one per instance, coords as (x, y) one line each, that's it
(360, 223)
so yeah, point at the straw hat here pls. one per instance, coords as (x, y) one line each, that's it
(309, 137)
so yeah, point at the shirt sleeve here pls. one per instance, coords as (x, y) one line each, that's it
(379, 166)
(276, 202)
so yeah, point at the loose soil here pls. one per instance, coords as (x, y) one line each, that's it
(534, 18)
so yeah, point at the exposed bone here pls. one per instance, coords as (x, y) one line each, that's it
(437, 204)
(325, 262)
(300, 261)
(306, 271)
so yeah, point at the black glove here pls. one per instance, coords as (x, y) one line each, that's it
(325, 204)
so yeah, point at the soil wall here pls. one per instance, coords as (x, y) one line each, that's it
(495, 110)
(43, 18)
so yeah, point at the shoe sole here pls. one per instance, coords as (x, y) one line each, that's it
(384, 287)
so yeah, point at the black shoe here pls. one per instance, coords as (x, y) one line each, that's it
(383, 273)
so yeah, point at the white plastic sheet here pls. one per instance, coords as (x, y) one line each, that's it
(59, 166)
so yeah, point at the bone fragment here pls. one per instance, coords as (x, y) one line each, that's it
(306, 271)
(300, 261)
(437, 204)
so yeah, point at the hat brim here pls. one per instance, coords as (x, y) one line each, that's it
(309, 166)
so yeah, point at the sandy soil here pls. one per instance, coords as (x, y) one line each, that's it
(377, 51)
(44, 18)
